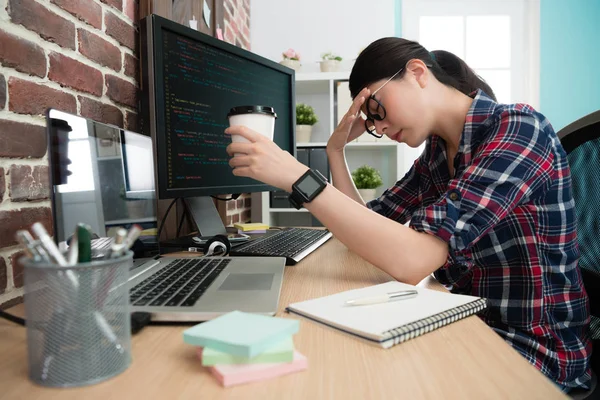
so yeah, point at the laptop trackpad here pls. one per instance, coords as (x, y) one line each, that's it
(247, 282)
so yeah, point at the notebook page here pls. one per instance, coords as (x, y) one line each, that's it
(375, 319)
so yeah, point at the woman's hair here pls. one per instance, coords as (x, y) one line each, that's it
(384, 57)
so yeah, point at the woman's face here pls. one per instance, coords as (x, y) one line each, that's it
(401, 106)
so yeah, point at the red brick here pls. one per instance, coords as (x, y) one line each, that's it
(118, 4)
(85, 10)
(120, 30)
(27, 184)
(228, 221)
(50, 26)
(132, 121)
(18, 139)
(10, 303)
(131, 10)
(17, 268)
(3, 275)
(2, 184)
(12, 221)
(247, 202)
(121, 91)
(74, 74)
(235, 218)
(26, 97)
(132, 67)
(231, 205)
(245, 216)
(22, 55)
(229, 8)
(239, 203)
(97, 49)
(2, 92)
(101, 112)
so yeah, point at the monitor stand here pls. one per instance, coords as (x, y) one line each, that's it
(205, 215)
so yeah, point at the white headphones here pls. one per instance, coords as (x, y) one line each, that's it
(217, 245)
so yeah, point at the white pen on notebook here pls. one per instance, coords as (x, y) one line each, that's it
(384, 298)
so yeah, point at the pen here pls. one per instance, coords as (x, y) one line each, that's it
(384, 298)
(48, 244)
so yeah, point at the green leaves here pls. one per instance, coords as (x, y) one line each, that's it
(305, 115)
(366, 177)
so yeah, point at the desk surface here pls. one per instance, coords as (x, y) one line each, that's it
(464, 360)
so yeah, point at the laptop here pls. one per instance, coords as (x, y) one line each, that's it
(102, 175)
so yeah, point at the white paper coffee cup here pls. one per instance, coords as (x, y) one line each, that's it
(260, 119)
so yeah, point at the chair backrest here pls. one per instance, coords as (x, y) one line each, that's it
(581, 141)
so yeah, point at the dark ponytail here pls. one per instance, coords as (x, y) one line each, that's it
(384, 57)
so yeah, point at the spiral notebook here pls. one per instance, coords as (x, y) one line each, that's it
(391, 323)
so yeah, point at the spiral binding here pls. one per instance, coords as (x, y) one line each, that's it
(422, 326)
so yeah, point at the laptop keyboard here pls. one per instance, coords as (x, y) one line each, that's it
(180, 283)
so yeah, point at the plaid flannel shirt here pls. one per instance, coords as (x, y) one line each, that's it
(509, 220)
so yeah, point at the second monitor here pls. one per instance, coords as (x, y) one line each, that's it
(190, 81)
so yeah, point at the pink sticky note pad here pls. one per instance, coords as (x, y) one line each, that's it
(230, 375)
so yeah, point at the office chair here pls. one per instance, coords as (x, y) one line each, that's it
(581, 141)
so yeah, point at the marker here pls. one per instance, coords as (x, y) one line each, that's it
(84, 237)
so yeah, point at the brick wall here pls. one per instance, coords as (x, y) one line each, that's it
(237, 31)
(79, 56)
(76, 56)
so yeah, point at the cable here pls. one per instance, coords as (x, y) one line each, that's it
(180, 223)
(164, 218)
(233, 197)
(12, 318)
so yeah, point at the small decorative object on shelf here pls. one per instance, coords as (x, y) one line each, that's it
(331, 62)
(305, 119)
(291, 59)
(366, 179)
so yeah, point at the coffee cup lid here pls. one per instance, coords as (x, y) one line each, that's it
(252, 110)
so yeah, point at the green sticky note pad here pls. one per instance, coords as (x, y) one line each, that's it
(278, 353)
(241, 334)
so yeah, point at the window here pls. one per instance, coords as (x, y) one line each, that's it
(498, 39)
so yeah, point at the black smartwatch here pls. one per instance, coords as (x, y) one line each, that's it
(306, 188)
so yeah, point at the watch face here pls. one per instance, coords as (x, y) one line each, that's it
(308, 185)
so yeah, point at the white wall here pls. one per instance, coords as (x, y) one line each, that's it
(313, 27)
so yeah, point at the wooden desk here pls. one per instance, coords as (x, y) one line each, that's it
(465, 360)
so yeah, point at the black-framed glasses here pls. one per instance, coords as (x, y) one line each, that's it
(373, 104)
(379, 114)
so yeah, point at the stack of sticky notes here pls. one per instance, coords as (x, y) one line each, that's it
(252, 227)
(241, 347)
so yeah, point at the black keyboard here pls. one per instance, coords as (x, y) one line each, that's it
(292, 243)
(180, 283)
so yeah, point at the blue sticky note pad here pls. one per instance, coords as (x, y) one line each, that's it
(241, 334)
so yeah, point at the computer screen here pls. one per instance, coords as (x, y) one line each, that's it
(88, 177)
(191, 81)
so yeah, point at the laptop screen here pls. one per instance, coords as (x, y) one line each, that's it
(103, 176)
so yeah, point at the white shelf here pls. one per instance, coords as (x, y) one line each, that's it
(280, 210)
(383, 143)
(322, 76)
(311, 144)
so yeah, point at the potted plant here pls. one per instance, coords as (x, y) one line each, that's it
(331, 62)
(305, 119)
(366, 179)
(291, 59)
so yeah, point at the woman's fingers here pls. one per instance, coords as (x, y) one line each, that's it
(239, 148)
(245, 132)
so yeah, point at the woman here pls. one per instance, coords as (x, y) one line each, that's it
(489, 201)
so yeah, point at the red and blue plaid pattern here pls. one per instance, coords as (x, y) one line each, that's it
(509, 220)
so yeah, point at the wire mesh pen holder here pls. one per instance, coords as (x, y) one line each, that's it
(78, 321)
